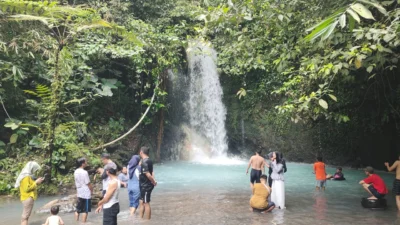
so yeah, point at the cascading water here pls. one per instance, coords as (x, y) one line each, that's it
(206, 111)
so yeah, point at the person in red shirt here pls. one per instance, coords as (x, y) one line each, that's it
(320, 174)
(374, 184)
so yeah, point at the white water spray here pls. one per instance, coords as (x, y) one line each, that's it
(206, 111)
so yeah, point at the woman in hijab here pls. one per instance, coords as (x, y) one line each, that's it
(278, 184)
(28, 189)
(133, 183)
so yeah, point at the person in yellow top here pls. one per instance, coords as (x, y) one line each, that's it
(259, 201)
(28, 189)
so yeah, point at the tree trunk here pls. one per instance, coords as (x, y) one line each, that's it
(54, 108)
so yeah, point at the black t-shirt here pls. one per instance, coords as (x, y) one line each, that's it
(147, 167)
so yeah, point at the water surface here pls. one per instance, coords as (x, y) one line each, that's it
(189, 193)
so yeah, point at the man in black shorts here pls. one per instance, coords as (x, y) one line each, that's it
(146, 182)
(84, 190)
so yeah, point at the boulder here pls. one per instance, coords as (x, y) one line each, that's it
(66, 204)
(374, 203)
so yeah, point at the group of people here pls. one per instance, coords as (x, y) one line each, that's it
(137, 177)
(269, 191)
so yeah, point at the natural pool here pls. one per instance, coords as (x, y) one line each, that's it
(190, 193)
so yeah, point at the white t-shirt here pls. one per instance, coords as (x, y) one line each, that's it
(81, 182)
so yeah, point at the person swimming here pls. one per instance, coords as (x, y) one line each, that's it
(337, 176)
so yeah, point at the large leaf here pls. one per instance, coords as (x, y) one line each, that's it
(42, 19)
(352, 23)
(13, 138)
(323, 103)
(342, 20)
(362, 11)
(321, 29)
(330, 18)
(354, 15)
(376, 5)
(333, 97)
(330, 30)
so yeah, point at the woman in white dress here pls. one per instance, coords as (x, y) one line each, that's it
(278, 181)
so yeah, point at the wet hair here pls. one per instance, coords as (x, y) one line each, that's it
(369, 169)
(319, 159)
(54, 210)
(112, 171)
(105, 156)
(259, 151)
(339, 168)
(264, 177)
(80, 161)
(145, 150)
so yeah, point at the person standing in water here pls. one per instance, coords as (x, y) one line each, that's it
(259, 201)
(108, 164)
(147, 183)
(110, 203)
(84, 190)
(257, 164)
(320, 174)
(123, 177)
(28, 189)
(396, 183)
(278, 184)
(133, 183)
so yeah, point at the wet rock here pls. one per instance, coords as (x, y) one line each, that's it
(66, 204)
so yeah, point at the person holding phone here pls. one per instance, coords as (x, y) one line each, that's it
(28, 189)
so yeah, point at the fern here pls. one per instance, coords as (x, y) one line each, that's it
(41, 91)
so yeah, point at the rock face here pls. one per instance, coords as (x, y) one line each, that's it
(68, 204)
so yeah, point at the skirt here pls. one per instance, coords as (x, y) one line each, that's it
(396, 187)
(278, 193)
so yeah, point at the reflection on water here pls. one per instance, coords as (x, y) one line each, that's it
(209, 194)
(320, 206)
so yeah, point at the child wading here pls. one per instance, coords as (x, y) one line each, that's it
(320, 174)
(54, 219)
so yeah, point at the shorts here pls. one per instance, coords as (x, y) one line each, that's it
(110, 214)
(320, 183)
(374, 192)
(84, 205)
(28, 206)
(255, 176)
(134, 196)
(270, 204)
(145, 195)
(396, 187)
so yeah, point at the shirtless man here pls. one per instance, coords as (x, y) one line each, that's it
(396, 184)
(257, 168)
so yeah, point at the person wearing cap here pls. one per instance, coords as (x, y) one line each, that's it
(374, 184)
(108, 164)
(261, 191)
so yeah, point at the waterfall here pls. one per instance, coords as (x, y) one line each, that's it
(206, 111)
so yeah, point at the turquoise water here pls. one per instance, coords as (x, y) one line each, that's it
(189, 193)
